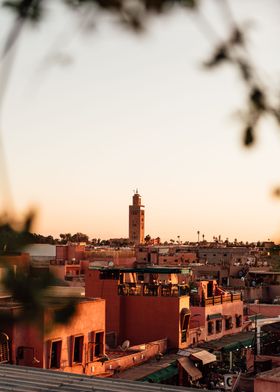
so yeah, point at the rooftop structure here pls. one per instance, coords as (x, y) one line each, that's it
(140, 301)
(214, 312)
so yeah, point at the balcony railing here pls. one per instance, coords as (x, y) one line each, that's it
(153, 289)
(216, 300)
(130, 289)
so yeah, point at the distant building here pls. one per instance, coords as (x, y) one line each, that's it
(136, 220)
(165, 255)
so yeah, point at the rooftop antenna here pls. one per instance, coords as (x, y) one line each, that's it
(125, 345)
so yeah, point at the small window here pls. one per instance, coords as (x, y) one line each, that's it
(96, 345)
(78, 344)
(4, 348)
(210, 327)
(228, 323)
(55, 354)
(99, 344)
(238, 321)
(218, 326)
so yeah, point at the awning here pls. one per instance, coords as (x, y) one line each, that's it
(189, 367)
(230, 342)
(237, 345)
(214, 316)
(162, 374)
(204, 356)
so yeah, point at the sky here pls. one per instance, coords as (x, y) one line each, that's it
(88, 118)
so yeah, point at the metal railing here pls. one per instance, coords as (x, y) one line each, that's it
(153, 289)
(216, 300)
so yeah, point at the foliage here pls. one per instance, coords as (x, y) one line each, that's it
(134, 14)
(30, 292)
(147, 238)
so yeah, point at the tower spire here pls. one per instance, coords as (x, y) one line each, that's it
(136, 219)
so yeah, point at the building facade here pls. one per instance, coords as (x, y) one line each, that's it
(143, 304)
(74, 347)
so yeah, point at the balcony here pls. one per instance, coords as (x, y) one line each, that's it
(215, 300)
(153, 289)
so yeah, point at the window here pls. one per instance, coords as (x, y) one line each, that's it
(4, 347)
(77, 353)
(218, 326)
(55, 354)
(210, 327)
(96, 346)
(238, 321)
(99, 346)
(228, 323)
(185, 318)
(183, 336)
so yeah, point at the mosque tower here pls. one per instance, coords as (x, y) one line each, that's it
(136, 220)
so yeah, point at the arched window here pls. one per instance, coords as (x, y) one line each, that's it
(4, 348)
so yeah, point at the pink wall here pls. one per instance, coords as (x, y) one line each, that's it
(199, 316)
(265, 309)
(151, 318)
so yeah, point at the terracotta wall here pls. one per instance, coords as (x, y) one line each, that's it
(261, 385)
(140, 319)
(89, 317)
(199, 317)
(107, 289)
(147, 318)
(267, 310)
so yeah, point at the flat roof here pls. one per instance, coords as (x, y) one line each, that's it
(264, 272)
(26, 379)
(149, 270)
(271, 375)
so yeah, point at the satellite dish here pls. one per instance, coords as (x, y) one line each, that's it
(125, 345)
(111, 264)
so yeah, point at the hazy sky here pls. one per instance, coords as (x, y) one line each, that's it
(126, 111)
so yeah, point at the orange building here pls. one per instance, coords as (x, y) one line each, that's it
(73, 347)
(143, 304)
(136, 220)
(70, 252)
(214, 312)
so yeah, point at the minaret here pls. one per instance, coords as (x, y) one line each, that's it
(136, 220)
